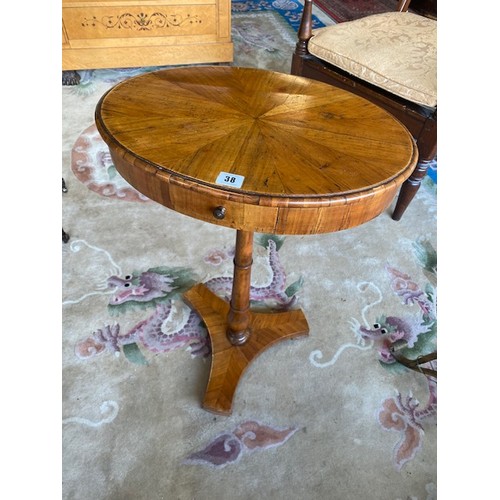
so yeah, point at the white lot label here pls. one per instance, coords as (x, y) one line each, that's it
(227, 179)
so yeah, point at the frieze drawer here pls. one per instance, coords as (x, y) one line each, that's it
(118, 34)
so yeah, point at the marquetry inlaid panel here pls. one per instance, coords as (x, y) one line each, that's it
(120, 33)
(140, 21)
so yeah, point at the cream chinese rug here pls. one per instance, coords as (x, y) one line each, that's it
(329, 416)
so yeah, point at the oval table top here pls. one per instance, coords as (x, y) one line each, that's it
(278, 153)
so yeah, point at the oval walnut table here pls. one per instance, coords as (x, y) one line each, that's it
(256, 151)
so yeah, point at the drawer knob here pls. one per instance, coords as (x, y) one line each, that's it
(219, 212)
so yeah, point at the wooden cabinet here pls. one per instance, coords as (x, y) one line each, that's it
(120, 33)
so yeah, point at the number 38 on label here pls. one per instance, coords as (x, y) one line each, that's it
(228, 179)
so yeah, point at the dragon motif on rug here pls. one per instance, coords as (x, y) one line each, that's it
(389, 329)
(417, 333)
(173, 325)
(406, 415)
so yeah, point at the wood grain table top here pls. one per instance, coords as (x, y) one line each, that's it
(280, 153)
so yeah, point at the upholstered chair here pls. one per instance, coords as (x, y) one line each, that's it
(391, 60)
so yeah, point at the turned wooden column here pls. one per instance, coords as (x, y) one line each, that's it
(238, 319)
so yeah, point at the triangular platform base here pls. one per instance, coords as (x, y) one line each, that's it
(230, 361)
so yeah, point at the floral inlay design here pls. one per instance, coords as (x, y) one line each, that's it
(141, 21)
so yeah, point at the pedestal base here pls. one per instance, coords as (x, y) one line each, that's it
(230, 361)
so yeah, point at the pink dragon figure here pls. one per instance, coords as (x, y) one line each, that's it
(151, 288)
(152, 285)
(389, 329)
(155, 287)
(150, 334)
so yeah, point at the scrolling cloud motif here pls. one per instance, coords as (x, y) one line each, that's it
(229, 447)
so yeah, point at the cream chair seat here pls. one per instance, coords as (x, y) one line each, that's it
(396, 51)
(391, 60)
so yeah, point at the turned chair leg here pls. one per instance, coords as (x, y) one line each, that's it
(409, 189)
